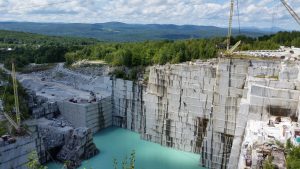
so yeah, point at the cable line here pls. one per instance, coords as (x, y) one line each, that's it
(238, 14)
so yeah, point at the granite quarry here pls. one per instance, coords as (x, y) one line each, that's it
(205, 107)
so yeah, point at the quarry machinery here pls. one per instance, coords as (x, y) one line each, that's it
(17, 124)
(230, 24)
(229, 50)
(16, 95)
(291, 11)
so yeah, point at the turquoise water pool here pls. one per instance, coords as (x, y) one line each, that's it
(118, 143)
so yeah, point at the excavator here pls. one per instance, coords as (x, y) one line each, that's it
(229, 51)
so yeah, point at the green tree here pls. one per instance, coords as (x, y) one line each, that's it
(296, 42)
(33, 162)
(127, 163)
(293, 158)
(267, 164)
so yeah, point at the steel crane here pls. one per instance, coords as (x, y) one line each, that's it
(16, 124)
(291, 11)
(229, 50)
(16, 95)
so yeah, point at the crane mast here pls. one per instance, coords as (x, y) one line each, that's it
(17, 124)
(229, 50)
(291, 11)
(230, 24)
(16, 95)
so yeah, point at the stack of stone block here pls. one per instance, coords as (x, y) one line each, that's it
(95, 115)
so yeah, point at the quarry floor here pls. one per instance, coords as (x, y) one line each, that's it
(117, 143)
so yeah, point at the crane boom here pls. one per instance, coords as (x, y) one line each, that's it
(230, 24)
(291, 11)
(11, 121)
(16, 96)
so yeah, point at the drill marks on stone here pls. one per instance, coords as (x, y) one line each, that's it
(101, 116)
(200, 133)
(180, 107)
(209, 102)
(128, 105)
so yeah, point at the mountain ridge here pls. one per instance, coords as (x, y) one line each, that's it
(123, 32)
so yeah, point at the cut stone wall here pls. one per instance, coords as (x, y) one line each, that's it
(203, 107)
(96, 115)
(127, 99)
(41, 106)
(200, 107)
(16, 155)
(71, 144)
(177, 105)
(79, 145)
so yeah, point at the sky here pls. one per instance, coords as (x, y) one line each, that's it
(253, 13)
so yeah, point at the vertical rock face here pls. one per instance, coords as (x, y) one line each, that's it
(96, 115)
(79, 146)
(204, 107)
(127, 104)
(227, 93)
(71, 144)
(200, 107)
(178, 105)
(40, 106)
(16, 155)
(193, 107)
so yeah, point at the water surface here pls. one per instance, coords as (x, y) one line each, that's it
(118, 143)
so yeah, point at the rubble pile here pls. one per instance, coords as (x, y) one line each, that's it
(101, 70)
(40, 106)
(263, 140)
(79, 146)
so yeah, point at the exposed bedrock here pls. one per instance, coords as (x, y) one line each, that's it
(203, 107)
(200, 107)
(16, 155)
(66, 142)
(127, 99)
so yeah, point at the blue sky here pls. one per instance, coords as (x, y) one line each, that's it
(253, 13)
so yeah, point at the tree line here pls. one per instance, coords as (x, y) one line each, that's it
(34, 48)
(28, 48)
(146, 53)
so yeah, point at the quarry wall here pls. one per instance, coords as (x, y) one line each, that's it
(96, 115)
(200, 107)
(127, 100)
(204, 107)
(16, 155)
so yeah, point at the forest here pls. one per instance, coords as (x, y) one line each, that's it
(168, 51)
(33, 48)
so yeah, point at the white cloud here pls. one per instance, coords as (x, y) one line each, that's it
(198, 12)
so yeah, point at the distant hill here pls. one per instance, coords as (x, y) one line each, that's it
(121, 32)
(13, 38)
